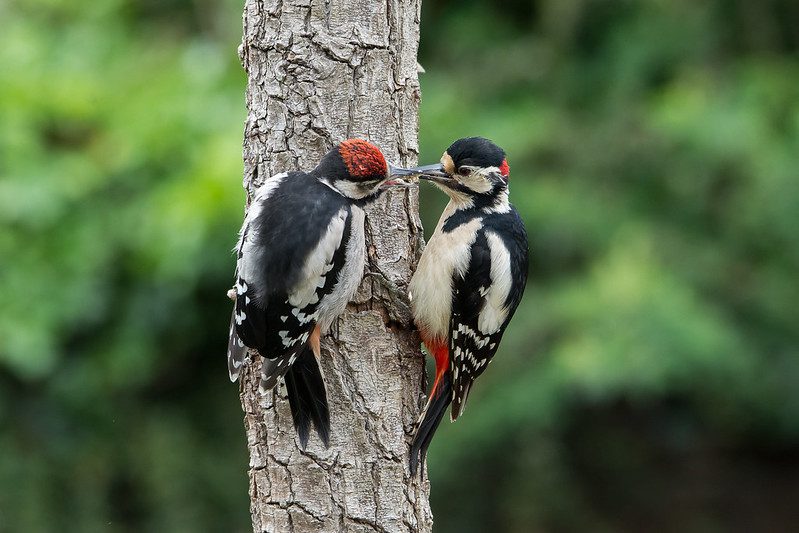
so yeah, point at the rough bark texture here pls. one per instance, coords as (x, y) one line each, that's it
(319, 72)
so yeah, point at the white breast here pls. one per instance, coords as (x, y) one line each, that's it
(431, 286)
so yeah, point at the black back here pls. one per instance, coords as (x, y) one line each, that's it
(291, 223)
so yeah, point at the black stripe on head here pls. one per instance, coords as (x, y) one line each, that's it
(477, 152)
(332, 166)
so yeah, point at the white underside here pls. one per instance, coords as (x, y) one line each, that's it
(446, 255)
(431, 286)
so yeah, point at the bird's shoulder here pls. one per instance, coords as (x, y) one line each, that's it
(297, 192)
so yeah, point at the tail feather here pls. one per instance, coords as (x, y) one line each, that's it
(440, 398)
(308, 398)
(459, 397)
(299, 412)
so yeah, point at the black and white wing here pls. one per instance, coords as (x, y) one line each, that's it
(484, 300)
(289, 256)
(240, 319)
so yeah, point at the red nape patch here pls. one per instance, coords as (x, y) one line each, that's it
(363, 159)
(504, 169)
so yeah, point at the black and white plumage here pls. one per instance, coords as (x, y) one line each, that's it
(300, 258)
(470, 278)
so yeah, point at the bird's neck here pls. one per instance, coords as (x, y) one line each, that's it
(350, 190)
(497, 202)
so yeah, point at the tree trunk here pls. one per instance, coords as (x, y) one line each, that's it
(319, 72)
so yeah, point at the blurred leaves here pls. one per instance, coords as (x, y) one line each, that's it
(119, 150)
(653, 154)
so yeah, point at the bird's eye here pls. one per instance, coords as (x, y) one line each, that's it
(464, 171)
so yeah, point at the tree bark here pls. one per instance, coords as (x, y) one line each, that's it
(319, 72)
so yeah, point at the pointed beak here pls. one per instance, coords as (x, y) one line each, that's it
(434, 173)
(396, 177)
(399, 175)
(429, 171)
(400, 172)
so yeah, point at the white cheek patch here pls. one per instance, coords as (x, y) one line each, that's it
(478, 181)
(350, 189)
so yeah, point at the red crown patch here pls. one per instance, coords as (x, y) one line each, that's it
(363, 159)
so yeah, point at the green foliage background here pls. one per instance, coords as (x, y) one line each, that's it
(648, 381)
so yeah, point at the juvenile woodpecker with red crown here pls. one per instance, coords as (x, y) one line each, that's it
(470, 277)
(300, 259)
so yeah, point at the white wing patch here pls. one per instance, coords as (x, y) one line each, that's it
(317, 263)
(350, 275)
(494, 312)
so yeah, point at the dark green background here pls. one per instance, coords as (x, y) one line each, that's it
(648, 381)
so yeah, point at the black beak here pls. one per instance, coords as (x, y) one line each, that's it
(434, 173)
(400, 172)
(429, 171)
(396, 175)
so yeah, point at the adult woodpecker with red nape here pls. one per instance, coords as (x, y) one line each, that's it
(300, 259)
(470, 277)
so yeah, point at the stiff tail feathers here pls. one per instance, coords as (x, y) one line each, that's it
(459, 396)
(440, 398)
(307, 397)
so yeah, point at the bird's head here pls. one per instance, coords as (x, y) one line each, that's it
(470, 168)
(358, 170)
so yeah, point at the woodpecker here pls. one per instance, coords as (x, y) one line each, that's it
(470, 277)
(300, 259)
